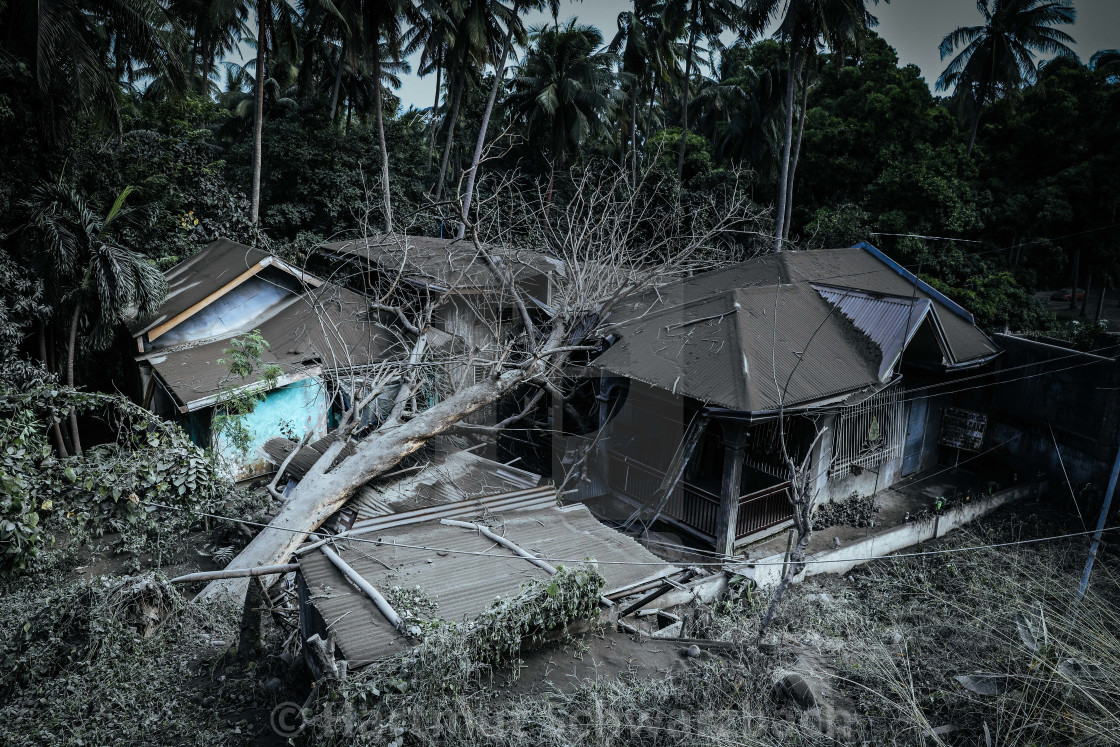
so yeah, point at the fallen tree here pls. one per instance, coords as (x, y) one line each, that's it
(610, 241)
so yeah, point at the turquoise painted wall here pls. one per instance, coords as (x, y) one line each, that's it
(297, 408)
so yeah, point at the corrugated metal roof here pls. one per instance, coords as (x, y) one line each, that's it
(444, 479)
(853, 268)
(195, 278)
(889, 321)
(739, 348)
(462, 586)
(447, 262)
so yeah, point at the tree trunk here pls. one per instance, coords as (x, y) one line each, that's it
(787, 145)
(70, 377)
(337, 80)
(258, 118)
(687, 80)
(499, 71)
(381, 132)
(796, 153)
(1088, 289)
(56, 432)
(972, 134)
(1073, 280)
(634, 136)
(435, 108)
(452, 117)
(321, 492)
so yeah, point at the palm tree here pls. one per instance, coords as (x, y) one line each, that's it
(478, 33)
(698, 19)
(87, 274)
(78, 51)
(383, 35)
(805, 27)
(433, 36)
(565, 87)
(510, 18)
(636, 45)
(999, 57)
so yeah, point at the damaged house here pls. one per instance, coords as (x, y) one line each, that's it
(823, 350)
(316, 332)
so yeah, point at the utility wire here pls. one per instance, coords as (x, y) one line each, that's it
(729, 561)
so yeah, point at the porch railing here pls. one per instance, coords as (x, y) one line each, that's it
(695, 507)
(763, 509)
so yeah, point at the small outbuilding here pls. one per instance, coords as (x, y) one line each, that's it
(315, 331)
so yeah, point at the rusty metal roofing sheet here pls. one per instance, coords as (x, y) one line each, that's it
(466, 579)
(447, 262)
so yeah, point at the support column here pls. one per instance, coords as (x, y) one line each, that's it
(734, 452)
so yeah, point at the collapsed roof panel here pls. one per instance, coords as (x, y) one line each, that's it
(460, 570)
(325, 328)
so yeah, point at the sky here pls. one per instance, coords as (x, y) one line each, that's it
(913, 27)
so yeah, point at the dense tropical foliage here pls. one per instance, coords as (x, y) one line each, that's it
(133, 132)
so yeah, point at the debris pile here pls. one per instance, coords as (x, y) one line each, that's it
(856, 511)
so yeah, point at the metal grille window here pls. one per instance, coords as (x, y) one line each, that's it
(869, 433)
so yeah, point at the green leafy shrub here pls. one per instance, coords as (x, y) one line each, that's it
(24, 448)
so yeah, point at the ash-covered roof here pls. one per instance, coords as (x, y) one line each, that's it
(439, 473)
(447, 263)
(461, 571)
(310, 325)
(198, 278)
(807, 326)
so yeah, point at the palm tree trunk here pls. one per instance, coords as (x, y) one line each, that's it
(634, 136)
(56, 432)
(499, 71)
(70, 377)
(435, 108)
(972, 135)
(453, 116)
(337, 80)
(258, 118)
(381, 132)
(1073, 280)
(787, 145)
(687, 81)
(796, 153)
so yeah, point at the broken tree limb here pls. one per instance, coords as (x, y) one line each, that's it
(324, 490)
(550, 570)
(367, 588)
(674, 474)
(266, 570)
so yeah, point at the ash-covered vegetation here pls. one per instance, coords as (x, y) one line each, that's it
(136, 132)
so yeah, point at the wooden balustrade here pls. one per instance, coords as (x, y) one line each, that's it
(695, 507)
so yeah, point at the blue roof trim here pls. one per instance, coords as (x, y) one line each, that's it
(911, 277)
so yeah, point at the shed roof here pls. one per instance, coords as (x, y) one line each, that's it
(443, 262)
(324, 328)
(197, 278)
(462, 571)
(813, 325)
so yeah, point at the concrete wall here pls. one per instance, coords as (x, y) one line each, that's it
(882, 542)
(297, 407)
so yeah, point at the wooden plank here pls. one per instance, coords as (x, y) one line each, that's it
(184, 315)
